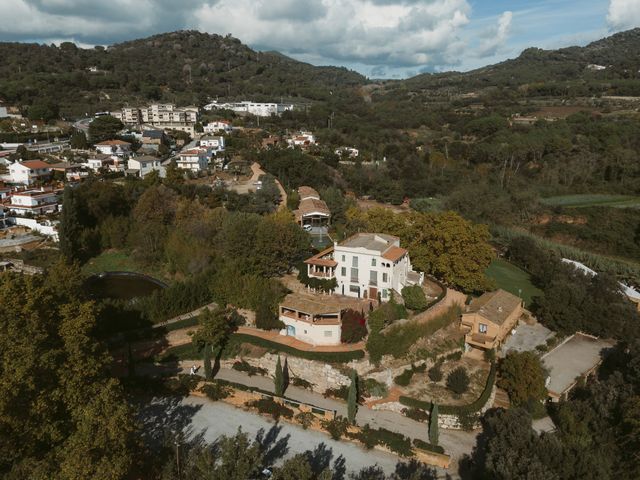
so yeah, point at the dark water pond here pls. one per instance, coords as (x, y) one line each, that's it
(122, 285)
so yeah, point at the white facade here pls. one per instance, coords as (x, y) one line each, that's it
(310, 333)
(351, 152)
(366, 265)
(258, 109)
(310, 319)
(196, 160)
(213, 143)
(35, 202)
(28, 172)
(219, 126)
(143, 165)
(302, 139)
(166, 115)
(114, 147)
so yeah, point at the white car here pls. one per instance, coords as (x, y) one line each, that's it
(307, 228)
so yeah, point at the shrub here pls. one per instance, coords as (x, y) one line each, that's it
(302, 383)
(373, 388)
(414, 298)
(366, 437)
(244, 366)
(396, 442)
(422, 445)
(215, 391)
(454, 356)
(468, 421)
(190, 382)
(354, 326)
(416, 414)
(435, 372)
(458, 380)
(336, 427)
(341, 393)
(405, 377)
(271, 407)
(305, 419)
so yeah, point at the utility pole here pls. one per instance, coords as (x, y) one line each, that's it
(178, 458)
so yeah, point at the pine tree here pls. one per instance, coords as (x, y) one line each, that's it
(206, 359)
(278, 379)
(352, 400)
(433, 425)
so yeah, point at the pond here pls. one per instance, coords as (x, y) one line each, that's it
(122, 285)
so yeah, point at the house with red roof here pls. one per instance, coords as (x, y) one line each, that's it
(28, 172)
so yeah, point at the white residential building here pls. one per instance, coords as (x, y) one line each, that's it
(366, 265)
(311, 320)
(219, 126)
(259, 109)
(214, 143)
(119, 148)
(194, 159)
(351, 152)
(28, 172)
(302, 139)
(34, 202)
(142, 165)
(165, 115)
(98, 162)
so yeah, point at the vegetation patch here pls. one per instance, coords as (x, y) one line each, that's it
(270, 407)
(514, 280)
(250, 370)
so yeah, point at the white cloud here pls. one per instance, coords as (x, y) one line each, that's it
(623, 14)
(496, 37)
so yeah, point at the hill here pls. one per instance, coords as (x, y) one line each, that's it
(183, 67)
(619, 54)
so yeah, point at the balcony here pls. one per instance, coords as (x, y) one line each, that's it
(481, 340)
(322, 274)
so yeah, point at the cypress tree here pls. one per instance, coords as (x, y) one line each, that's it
(131, 365)
(352, 400)
(433, 425)
(70, 228)
(206, 359)
(278, 379)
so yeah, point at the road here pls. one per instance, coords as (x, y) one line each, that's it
(195, 415)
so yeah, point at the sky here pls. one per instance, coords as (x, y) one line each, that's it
(378, 38)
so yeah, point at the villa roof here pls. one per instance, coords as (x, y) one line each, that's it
(394, 254)
(309, 304)
(322, 262)
(371, 241)
(309, 206)
(35, 164)
(495, 306)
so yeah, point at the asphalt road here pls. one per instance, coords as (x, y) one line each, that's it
(199, 416)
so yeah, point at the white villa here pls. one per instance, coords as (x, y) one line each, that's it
(142, 165)
(216, 127)
(28, 172)
(195, 159)
(114, 147)
(214, 143)
(302, 139)
(310, 320)
(366, 265)
(35, 202)
(254, 108)
(100, 161)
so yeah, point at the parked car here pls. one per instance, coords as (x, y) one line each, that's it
(307, 228)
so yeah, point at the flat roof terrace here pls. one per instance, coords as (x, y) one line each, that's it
(577, 356)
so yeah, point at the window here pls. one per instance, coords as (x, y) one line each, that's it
(384, 293)
(354, 289)
(373, 277)
(343, 271)
(305, 332)
(373, 262)
(354, 274)
(482, 328)
(328, 333)
(354, 261)
(343, 258)
(385, 277)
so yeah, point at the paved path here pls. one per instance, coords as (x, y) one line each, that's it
(452, 297)
(285, 440)
(456, 443)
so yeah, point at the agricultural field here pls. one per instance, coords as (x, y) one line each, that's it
(592, 200)
(512, 279)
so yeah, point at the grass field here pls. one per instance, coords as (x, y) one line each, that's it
(592, 200)
(512, 279)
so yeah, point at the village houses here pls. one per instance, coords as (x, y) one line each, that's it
(220, 126)
(33, 202)
(142, 165)
(28, 172)
(194, 159)
(119, 148)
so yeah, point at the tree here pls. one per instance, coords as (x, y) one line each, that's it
(522, 376)
(433, 425)
(215, 328)
(458, 380)
(414, 298)
(70, 231)
(79, 140)
(352, 399)
(104, 127)
(278, 379)
(206, 360)
(45, 110)
(131, 363)
(354, 326)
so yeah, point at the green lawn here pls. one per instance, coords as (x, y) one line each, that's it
(512, 279)
(592, 200)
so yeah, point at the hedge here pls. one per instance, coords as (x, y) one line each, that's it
(422, 445)
(473, 407)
